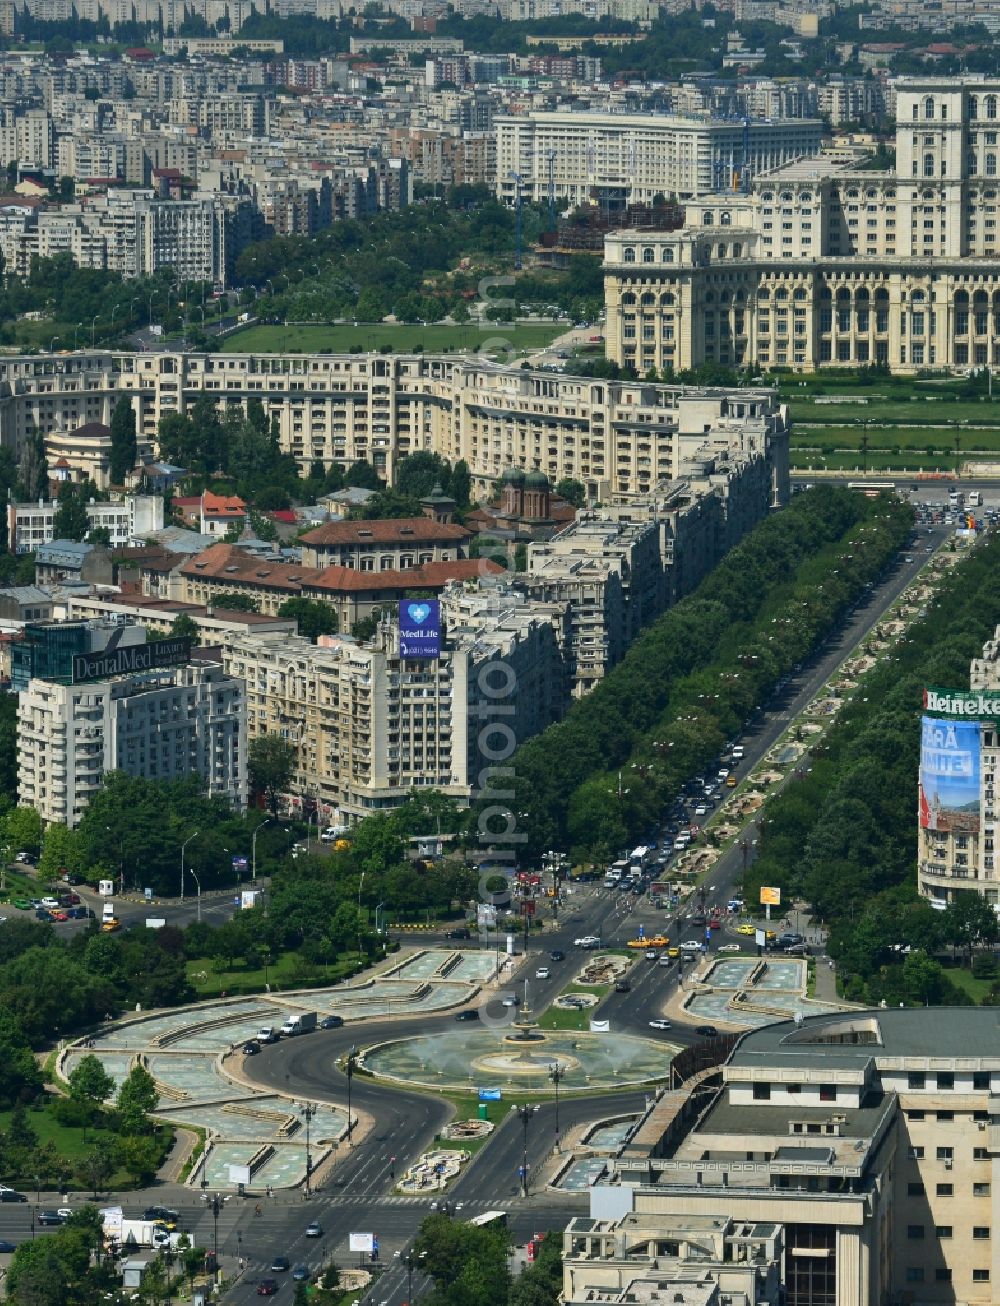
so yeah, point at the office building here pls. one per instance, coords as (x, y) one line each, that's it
(165, 723)
(128, 519)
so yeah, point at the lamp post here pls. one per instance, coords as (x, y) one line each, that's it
(253, 848)
(556, 1075)
(183, 848)
(93, 330)
(308, 1111)
(361, 885)
(409, 1260)
(52, 344)
(349, 1072)
(215, 1204)
(525, 1111)
(197, 881)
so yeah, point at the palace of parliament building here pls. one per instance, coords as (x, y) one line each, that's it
(822, 264)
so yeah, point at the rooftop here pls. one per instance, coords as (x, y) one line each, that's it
(397, 530)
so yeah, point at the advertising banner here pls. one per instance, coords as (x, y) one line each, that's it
(600, 1026)
(949, 776)
(361, 1242)
(490, 1095)
(420, 628)
(770, 896)
(974, 704)
(115, 661)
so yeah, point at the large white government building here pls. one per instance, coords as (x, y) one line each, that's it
(820, 263)
(617, 438)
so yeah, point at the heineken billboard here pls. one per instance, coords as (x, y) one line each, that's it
(128, 658)
(967, 705)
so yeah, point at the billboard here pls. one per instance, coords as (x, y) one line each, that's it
(949, 775)
(965, 704)
(420, 628)
(131, 657)
(770, 896)
(361, 1242)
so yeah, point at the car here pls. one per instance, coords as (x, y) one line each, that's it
(511, 1000)
(469, 1014)
(660, 1024)
(797, 950)
(60, 915)
(701, 810)
(462, 933)
(50, 902)
(165, 1215)
(280, 1265)
(26, 859)
(659, 941)
(667, 959)
(251, 1047)
(673, 953)
(47, 1218)
(588, 941)
(331, 1022)
(557, 954)
(11, 1194)
(707, 1031)
(301, 1274)
(22, 904)
(730, 947)
(111, 926)
(724, 773)
(7, 1246)
(78, 913)
(542, 973)
(623, 986)
(744, 929)
(638, 943)
(267, 1287)
(72, 878)
(314, 1229)
(790, 936)
(734, 904)
(691, 945)
(72, 899)
(652, 954)
(42, 914)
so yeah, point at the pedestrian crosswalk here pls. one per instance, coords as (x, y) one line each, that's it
(398, 1199)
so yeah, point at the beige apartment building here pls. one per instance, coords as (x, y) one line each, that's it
(368, 727)
(390, 545)
(861, 1151)
(618, 438)
(821, 263)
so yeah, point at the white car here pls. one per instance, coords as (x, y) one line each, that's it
(50, 904)
(660, 1024)
(542, 972)
(700, 810)
(729, 947)
(690, 945)
(588, 941)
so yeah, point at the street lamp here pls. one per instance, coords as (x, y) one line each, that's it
(52, 344)
(183, 847)
(361, 885)
(349, 1072)
(308, 1111)
(93, 330)
(197, 881)
(525, 1111)
(556, 1075)
(409, 1260)
(215, 1204)
(253, 847)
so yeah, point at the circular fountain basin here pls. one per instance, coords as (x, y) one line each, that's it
(587, 1062)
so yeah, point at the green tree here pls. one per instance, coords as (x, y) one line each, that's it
(33, 470)
(574, 492)
(89, 1082)
(137, 1098)
(362, 475)
(99, 536)
(59, 851)
(460, 484)
(183, 627)
(70, 520)
(237, 602)
(313, 618)
(20, 1075)
(124, 445)
(271, 764)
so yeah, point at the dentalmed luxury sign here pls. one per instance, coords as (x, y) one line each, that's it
(420, 628)
(131, 657)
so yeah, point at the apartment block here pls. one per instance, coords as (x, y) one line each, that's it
(162, 724)
(856, 1153)
(127, 520)
(390, 545)
(618, 438)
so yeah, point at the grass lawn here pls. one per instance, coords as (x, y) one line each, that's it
(401, 338)
(286, 972)
(963, 979)
(878, 461)
(71, 1144)
(917, 408)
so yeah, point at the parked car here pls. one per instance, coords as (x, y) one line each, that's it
(331, 1022)
(469, 1014)
(11, 1194)
(660, 1024)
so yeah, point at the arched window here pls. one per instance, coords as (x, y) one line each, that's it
(980, 297)
(725, 219)
(881, 296)
(666, 301)
(737, 250)
(799, 295)
(825, 292)
(648, 255)
(991, 106)
(629, 254)
(767, 196)
(628, 300)
(843, 295)
(961, 297)
(710, 297)
(973, 106)
(648, 300)
(917, 297)
(781, 294)
(763, 293)
(668, 254)
(806, 197)
(786, 197)
(721, 251)
(929, 107)
(991, 165)
(928, 165)
(861, 295)
(707, 219)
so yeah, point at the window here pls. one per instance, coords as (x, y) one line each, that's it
(980, 1276)
(980, 1190)
(916, 1079)
(991, 106)
(942, 1230)
(914, 1232)
(915, 1190)
(914, 1274)
(980, 1231)
(945, 1190)
(629, 254)
(945, 1153)
(942, 1276)
(762, 1092)
(980, 1154)
(648, 255)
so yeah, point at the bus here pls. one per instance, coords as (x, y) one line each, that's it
(872, 489)
(975, 498)
(488, 1218)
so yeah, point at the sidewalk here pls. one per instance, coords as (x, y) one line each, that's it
(826, 981)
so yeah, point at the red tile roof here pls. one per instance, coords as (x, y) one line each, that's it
(431, 575)
(227, 562)
(390, 530)
(218, 505)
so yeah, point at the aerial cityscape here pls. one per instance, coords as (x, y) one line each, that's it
(500, 650)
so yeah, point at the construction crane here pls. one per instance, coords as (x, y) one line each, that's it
(517, 223)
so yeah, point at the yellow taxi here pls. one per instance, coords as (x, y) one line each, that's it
(659, 941)
(673, 952)
(639, 943)
(109, 927)
(744, 929)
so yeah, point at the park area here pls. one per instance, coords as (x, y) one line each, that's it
(859, 422)
(396, 337)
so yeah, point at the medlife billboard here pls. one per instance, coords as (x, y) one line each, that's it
(420, 628)
(949, 775)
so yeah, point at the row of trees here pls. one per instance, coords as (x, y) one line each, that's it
(470, 1266)
(844, 834)
(697, 673)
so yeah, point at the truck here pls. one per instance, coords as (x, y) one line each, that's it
(975, 498)
(299, 1022)
(137, 1233)
(243, 317)
(267, 1034)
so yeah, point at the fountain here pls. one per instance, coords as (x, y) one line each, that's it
(526, 1030)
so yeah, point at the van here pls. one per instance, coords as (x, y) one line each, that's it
(107, 913)
(738, 753)
(332, 833)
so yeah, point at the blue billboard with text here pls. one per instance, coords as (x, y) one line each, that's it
(420, 628)
(949, 775)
